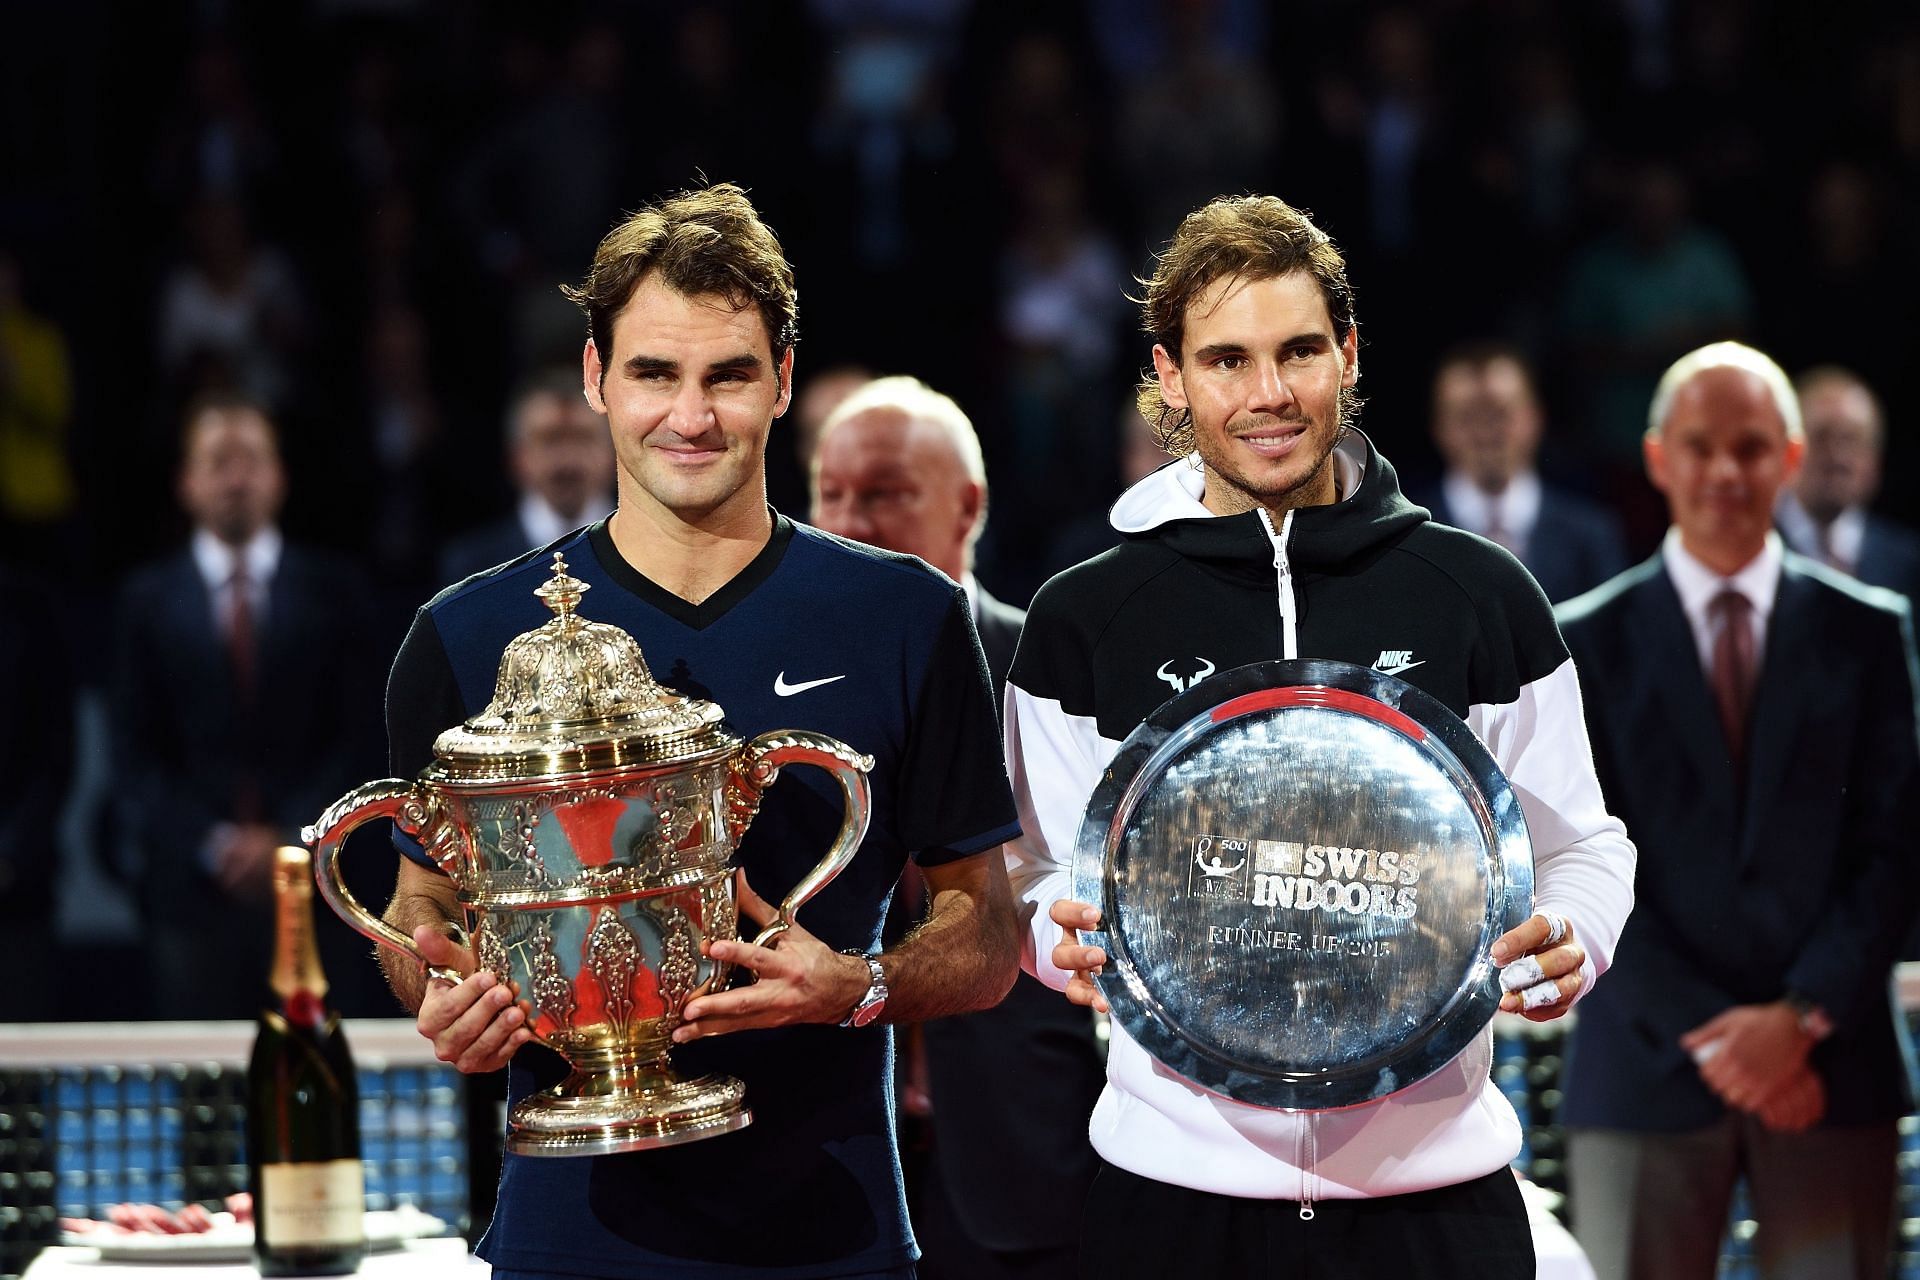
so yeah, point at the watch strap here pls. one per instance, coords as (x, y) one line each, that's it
(876, 994)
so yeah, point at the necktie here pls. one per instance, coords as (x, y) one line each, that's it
(1733, 672)
(241, 654)
(240, 643)
(1827, 552)
(1497, 529)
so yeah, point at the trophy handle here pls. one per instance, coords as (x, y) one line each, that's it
(387, 798)
(754, 770)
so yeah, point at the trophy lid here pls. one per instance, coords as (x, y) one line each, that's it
(573, 696)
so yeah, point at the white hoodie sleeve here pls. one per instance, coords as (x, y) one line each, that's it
(1582, 859)
(1055, 760)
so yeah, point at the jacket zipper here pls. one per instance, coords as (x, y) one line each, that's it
(1283, 577)
(1306, 1152)
(1309, 1167)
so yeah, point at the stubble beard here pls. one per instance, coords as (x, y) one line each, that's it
(1240, 496)
(693, 499)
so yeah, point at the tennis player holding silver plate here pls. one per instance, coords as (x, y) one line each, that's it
(1304, 887)
(1301, 868)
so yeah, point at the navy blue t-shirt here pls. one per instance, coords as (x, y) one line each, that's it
(886, 656)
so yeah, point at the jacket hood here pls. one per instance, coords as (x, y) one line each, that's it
(1166, 507)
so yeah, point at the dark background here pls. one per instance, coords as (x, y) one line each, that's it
(966, 191)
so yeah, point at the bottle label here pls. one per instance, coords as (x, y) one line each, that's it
(317, 1203)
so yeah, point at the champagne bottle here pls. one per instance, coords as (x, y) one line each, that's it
(303, 1105)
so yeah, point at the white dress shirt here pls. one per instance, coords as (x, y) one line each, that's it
(1758, 580)
(543, 524)
(1844, 537)
(1514, 511)
(216, 561)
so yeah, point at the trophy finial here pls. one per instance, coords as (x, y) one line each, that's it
(562, 591)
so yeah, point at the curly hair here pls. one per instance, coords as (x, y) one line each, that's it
(1258, 237)
(705, 241)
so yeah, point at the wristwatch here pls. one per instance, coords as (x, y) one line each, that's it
(876, 997)
(1813, 1020)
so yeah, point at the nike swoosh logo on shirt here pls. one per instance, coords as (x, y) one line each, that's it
(1404, 666)
(785, 690)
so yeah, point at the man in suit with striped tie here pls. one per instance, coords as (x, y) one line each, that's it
(245, 672)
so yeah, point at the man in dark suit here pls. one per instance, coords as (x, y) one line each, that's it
(241, 704)
(1753, 724)
(899, 466)
(1487, 426)
(560, 456)
(1824, 513)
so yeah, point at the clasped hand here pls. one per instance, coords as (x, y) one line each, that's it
(1754, 1058)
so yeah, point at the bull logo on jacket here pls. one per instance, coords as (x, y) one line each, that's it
(1183, 683)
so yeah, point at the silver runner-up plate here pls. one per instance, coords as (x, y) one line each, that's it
(1300, 867)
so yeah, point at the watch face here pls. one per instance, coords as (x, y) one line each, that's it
(867, 1013)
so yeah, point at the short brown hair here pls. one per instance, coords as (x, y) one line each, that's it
(1478, 353)
(224, 402)
(1259, 237)
(704, 241)
(1829, 375)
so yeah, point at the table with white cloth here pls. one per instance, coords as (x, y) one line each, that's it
(441, 1259)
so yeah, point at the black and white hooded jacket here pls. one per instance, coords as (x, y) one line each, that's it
(1369, 580)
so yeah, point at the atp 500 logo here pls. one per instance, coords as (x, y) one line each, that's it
(1219, 870)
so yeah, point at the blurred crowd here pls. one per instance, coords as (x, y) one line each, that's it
(340, 227)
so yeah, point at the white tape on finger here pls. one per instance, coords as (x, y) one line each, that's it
(1523, 972)
(1540, 996)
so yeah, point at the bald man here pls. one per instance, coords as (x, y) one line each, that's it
(899, 466)
(1752, 716)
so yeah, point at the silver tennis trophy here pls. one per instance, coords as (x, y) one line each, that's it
(588, 819)
(1300, 867)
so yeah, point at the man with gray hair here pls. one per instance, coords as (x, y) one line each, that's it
(1744, 1030)
(899, 466)
(1824, 514)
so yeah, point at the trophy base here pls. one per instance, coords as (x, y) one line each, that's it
(586, 1116)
